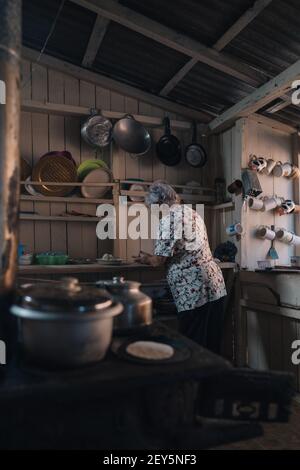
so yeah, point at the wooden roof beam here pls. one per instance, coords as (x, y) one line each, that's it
(95, 41)
(274, 88)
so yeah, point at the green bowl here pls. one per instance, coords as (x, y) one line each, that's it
(87, 166)
(51, 259)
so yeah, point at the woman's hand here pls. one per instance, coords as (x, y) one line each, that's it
(152, 260)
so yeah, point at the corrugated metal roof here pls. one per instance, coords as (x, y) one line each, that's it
(137, 60)
(71, 34)
(270, 43)
(204, 20)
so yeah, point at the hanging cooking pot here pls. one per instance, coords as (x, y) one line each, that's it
(195, 153)
(65, 324)
(137, 311)
(97, 130)
(131, 136)
(168, 147)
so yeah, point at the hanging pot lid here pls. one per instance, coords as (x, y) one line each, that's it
(97, 130)
(131, 136)
(63, 299)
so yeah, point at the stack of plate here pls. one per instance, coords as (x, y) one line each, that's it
(94, 171)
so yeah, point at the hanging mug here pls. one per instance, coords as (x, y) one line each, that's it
(266, 233)
(284, 235)
(295, 172)
(270, 203)
(278, 170)
(288, 206)
(270, 166)
(287, 169)
(257, 163)
(295, 240)
(234, 229)
(255, 203)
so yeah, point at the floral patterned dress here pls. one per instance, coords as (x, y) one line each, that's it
(193, 276)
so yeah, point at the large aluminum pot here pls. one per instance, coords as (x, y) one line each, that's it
(137, 311)
(65, 324)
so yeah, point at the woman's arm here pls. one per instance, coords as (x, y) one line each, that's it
(152, 260)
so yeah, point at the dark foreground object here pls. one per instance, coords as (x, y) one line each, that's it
(118, 404)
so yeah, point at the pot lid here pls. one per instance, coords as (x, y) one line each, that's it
(68, 296)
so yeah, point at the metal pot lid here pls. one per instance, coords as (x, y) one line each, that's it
(67, 297)
(97, 130)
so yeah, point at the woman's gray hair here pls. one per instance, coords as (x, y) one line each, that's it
(161, 192)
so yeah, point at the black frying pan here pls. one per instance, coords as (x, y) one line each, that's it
(195, 153)
(168, 147)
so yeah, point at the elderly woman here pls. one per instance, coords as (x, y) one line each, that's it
(195, 280)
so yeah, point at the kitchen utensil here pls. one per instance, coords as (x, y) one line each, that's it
(266, 233)
(270, 203)
(87, 166)
(51, 258)
(270, 166)
(278, 170)
(234, 229)
(137, 187)
(257, 163)
(168, 147)
(25, 259)
(131, 136)
(265, 264)
(137, 311)
(288, 206)
(255, 203)
(251, 184)
(111, 262)
(58, 169)
(236, 187)
(295, 261)
(65, 324)
(287, 169)
(284, 235)
(295, 240)
(30, 189)
(195, 153)
(97, 130)
(295, 172)
(272, 253)
(99, 175)
(63, 153)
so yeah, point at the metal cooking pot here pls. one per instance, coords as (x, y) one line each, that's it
(97, 130)
(65, 324)
(131, 136)
(137, 305)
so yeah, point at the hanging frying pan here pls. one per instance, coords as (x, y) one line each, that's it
(97, 130)
(131, 136)
(195, 153)
(168, 147)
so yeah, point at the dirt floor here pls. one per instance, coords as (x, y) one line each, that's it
(276, 436)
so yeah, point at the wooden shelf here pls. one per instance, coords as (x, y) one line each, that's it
(75, 200)
(69, 110)
(58, 218)
(82, 268)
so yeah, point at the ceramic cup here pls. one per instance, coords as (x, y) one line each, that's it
(235, 188)
(255, 203)
(278, 170)
(284, 235)
(270, 166)
(234, 229)
(295, 172)
(270, 203)
(287, 169)
(288, 206)
(257, 163)
(266, 233)
(295, 240)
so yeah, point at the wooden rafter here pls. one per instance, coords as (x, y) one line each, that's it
(274, 88)
(162, 34)
(230, 34)
(96, 38)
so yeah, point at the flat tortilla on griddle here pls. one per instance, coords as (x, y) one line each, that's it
(150, 350)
